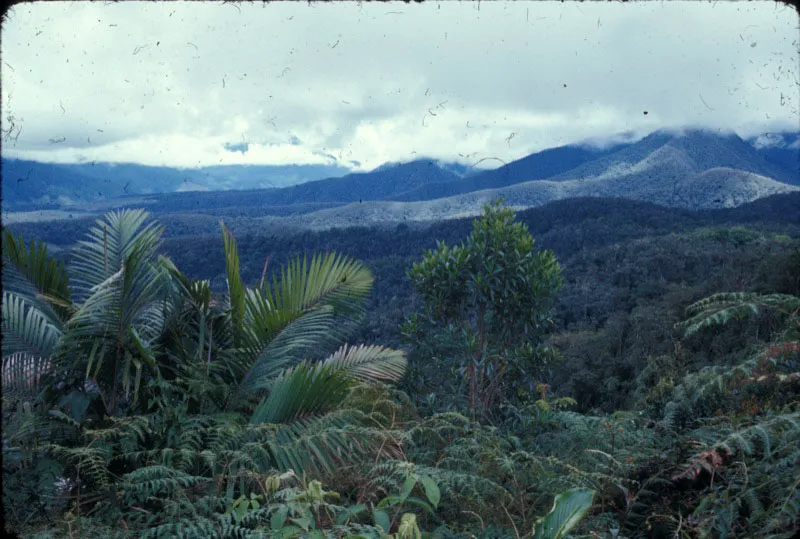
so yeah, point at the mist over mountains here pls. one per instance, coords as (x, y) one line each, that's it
(692, 169)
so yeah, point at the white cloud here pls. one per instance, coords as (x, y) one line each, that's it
(171, 83)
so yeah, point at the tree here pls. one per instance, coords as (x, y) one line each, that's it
(486, 302)
(141, 363)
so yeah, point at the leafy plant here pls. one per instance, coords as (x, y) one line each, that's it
(486, 303)
(568, 510)
(165, 388)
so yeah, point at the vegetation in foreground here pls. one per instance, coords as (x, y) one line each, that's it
(137, 403)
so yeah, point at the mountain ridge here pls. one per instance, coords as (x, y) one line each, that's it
(662, 159)
(673, 174)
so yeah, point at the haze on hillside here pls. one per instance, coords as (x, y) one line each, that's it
(351, 86)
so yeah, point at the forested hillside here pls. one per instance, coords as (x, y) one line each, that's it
(431, 270)
(590, 368)
(694, 169)
(34, 185)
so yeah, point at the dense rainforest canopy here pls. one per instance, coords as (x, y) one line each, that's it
(596, 373)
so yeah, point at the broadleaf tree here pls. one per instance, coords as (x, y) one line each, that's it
(486, 303)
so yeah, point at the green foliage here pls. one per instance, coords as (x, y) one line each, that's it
(487, 302)
(252, 420)
(569, 508)
(129, 368)
(720, 308)
(36, 277)
(308, 510)
(26, 329)
(737, 236)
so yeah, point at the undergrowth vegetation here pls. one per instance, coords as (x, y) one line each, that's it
(139, 402)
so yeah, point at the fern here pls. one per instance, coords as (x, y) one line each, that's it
(721, 308)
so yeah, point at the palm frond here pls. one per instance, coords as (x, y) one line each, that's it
(327, 279)
(27, 329)
(303, 390)
(306, 310)
(128, 297)
(236, 288)
(369, 363)
(23, 372)
(110, 243)
(124, 305)
(274, 339)
(29, 269)
(312, 388)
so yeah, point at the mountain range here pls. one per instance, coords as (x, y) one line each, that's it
(693, 169)
(35, 184)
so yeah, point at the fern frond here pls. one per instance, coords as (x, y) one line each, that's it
(718, 309)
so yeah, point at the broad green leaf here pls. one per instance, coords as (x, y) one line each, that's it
(431, 489)
(408, 486)
(391, 501)
(303, 522)
(241, 509)
(278, 518)
(381, 519)
(568, 510)
(419, 502)
(345, 516)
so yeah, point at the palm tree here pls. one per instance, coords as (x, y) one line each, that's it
(239, 379)
(35, 310)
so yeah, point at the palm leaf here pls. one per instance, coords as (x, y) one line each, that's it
(328, 279)
(307, 309)
(304, 390)
(288, 345)
(128, 296)
(369, 363)
(274, 327)
(23, 372)
(31, 266)
(313, 388)
(236, 288)
(124, 303)
(110, 243)
(27, 329)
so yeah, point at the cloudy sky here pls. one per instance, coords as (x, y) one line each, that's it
(194, 84)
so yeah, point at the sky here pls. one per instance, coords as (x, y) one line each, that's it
(190, 84)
